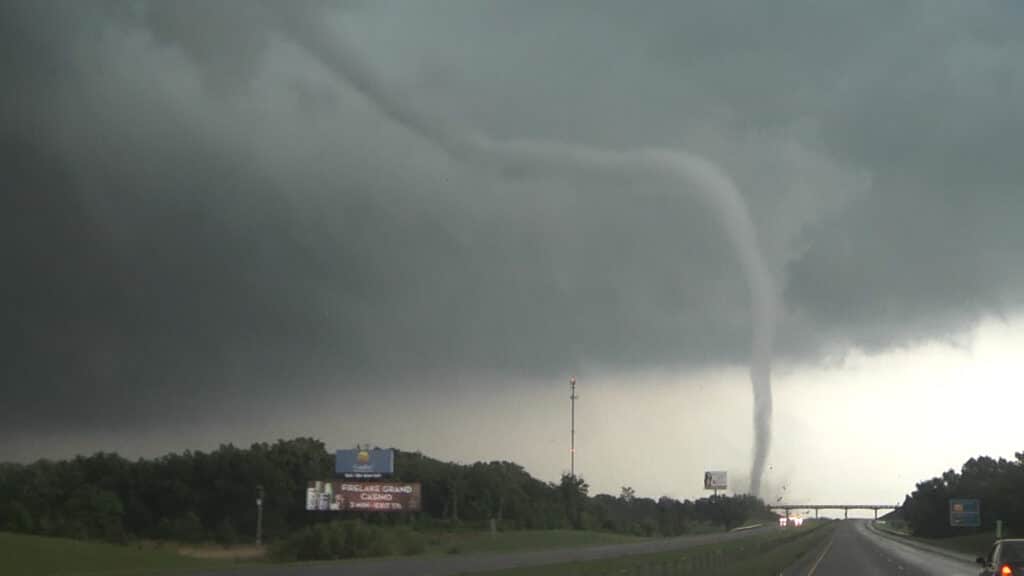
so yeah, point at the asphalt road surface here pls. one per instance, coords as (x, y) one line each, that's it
(447, 565)
(858, 549)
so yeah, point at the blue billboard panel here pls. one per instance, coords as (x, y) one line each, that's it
(964, 512)
(358, 463)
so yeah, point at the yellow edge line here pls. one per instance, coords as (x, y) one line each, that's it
(821, 557)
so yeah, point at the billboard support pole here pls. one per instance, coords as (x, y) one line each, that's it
(259, 514)
(572, 426)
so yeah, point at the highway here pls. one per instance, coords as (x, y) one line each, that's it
(859, 549)
(855, 549)
(449, 565)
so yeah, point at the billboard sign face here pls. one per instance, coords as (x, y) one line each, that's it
(964, 512)
(343, 495)
(716, 480)
(360, 463)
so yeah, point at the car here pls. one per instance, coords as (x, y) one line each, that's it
(1006, 558)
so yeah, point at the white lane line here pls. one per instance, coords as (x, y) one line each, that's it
(821, 557)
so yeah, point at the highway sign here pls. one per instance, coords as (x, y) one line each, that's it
(716, 480)
(964, 512)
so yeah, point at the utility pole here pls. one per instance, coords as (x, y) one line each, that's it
(572, 426)
(259, 514)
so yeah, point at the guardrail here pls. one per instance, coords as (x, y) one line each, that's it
(915, 543)
(747, 527)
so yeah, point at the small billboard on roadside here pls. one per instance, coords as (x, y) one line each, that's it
(364, 463)
(716, 480)
(964, 512)
(343, 495)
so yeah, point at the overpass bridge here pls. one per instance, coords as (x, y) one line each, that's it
(844, 507)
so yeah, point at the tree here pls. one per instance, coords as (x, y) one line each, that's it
(573, 490)
(226, 534)
(627, 494)
(998, 484)
(197, 495)
(93, 512)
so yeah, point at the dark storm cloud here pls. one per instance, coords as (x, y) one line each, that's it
(195, 211)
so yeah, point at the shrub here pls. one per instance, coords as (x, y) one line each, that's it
(408, 543)
(188, 528)
(226, 534)
(20, 518)
(347, 539)
(282, 550)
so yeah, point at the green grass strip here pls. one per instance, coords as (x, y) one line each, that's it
(764, 554)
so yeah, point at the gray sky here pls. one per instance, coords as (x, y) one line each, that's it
(209, 238)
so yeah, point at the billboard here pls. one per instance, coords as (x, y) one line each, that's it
(716, 480)
(964, 512)
(343, 495)
(360, 463)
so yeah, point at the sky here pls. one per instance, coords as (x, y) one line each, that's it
(210, 237)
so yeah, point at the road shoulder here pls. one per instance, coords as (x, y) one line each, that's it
(952, 555)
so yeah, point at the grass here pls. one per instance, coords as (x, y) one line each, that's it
(976, 544)
(766, 555)
(25, 555)
(516, 540)
(973, 544)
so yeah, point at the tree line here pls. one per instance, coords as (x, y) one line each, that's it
(998, 484)
(199, 496)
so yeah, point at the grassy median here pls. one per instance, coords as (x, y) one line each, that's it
(517, 540)
(766, 554)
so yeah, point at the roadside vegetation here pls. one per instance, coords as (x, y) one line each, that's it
(25, 555)
(766, 554)
(511, 541)
(31, 555)
(209, 497)
(356, 539)
(975, 544)
(999, 484)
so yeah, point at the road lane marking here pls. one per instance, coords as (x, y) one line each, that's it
(821, 557)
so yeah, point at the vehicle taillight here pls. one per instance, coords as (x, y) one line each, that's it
(1006, 570)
